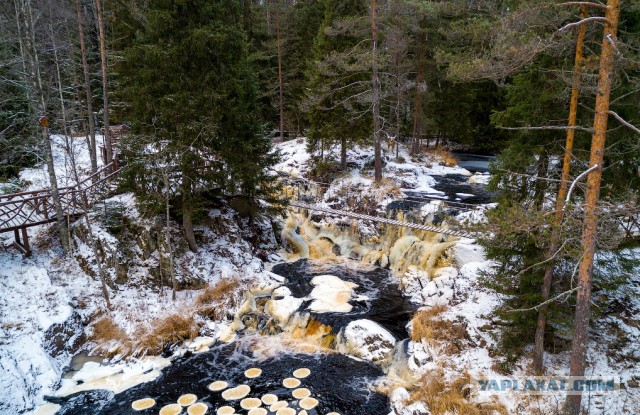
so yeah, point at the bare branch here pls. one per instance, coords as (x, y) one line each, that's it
(624, 122)
(550, 300)
(587, 20)
(584, 4)
(550, 127)
(577, 179)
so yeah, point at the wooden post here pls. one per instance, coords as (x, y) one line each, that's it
(590, 222)
(25, 242)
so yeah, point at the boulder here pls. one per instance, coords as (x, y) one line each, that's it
(367, 340)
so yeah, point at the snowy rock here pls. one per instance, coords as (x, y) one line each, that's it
(200, 344)
(398, 397)
(467, 253)
(445, 273)
(480, 178)
(367, 340)
(331, 294)
(282, 309)
(416, 408)
(430, 290)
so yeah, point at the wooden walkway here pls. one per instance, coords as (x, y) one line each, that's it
(20, 211)
(393, 222)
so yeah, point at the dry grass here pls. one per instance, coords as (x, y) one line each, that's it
(428, 326)
(169, 330)
(218, 300)
(442, 155)
(452, 398)
(111, 339)
(214, 302)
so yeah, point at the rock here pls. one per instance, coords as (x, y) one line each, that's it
(468, 253)
(367, 340)
(282, 309)
(398, 397)
(65, 337)
(416, 408)
(280, 293)
(446, 275)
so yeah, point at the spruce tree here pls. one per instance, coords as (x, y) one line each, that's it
(187, 84)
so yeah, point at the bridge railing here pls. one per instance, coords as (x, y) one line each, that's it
(35, 207)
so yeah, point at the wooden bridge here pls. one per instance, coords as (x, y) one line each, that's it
(20, 211)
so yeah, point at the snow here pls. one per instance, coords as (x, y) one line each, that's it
(115, 378)
(38, 178)
(283, 308)
(29, 304)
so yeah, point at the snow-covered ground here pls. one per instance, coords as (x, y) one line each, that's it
(406, 172)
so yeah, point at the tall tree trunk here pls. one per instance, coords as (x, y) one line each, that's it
(376, 93)
(87, 88)
(167, 233)
(36, 79)
(417, 116)
(398, 100)
(74, 168)
(343, 153)
(187, 213)
(554, 243)
(105, 89)
(589, 232)
(23, 54)
(281, 100)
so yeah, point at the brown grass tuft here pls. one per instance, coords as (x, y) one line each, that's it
(429, 327)
(112, 340)
(442, 156)
(165, 331)
(218, 300)
(452, 398)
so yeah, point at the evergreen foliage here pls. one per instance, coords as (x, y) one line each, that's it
(187, 82)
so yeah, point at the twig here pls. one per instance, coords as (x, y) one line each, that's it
(550, 127)
(584, 4)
